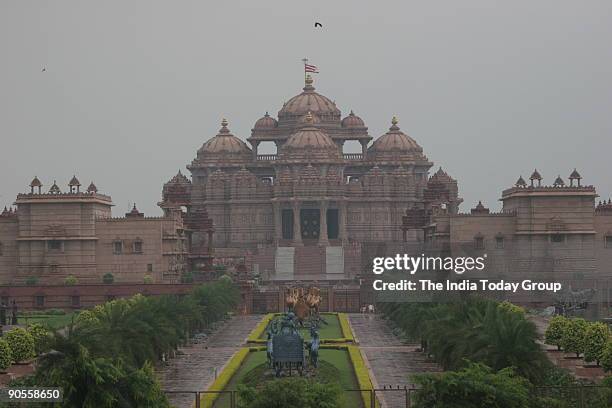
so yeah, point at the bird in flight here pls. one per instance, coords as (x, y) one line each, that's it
(44, 69)
(318, 24)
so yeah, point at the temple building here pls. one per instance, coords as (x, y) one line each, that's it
(311, 211)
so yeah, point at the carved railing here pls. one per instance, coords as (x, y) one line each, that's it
(353, 156)
(266, 157)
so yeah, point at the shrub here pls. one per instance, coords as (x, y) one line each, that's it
(40, 336)
(554, 331)
(21, 343)
(474, 386)
(31, 280)
(511, 307)
(70, 280)
(108, 278)
(86, 317)
(6, 357)
(606, 356)
(595, 337)
(288, 392)
(148, 279)
(573, 339)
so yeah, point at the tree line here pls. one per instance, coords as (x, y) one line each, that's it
(105, 358)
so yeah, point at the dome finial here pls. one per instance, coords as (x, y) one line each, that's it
(394, 123)
(224, 129)
(308, 84)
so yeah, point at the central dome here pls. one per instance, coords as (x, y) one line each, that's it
(310, 143)
(309, 101)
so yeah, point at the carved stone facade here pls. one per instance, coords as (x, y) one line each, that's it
(50, 236)
(311, 211)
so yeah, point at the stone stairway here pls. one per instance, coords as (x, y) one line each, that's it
(310, 262)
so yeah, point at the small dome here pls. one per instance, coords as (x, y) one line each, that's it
(395, 143)
(535, 175)
(310, 143)
(520, 182)
(352, 121)
(180, 178)
(224, 147)
(309, 101)
(74, 182)
(35, 182)
(266, 122)
(92, 188)
(55, 188)
(575, 175)
(559, 182)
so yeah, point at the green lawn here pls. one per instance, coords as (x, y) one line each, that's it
(339, 358)
(49, 321)
(331, 330)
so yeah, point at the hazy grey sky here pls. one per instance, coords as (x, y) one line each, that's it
(490, 89)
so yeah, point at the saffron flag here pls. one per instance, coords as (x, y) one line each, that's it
(311, 68)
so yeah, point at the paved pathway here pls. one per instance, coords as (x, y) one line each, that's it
(390, 360)
(194, 369)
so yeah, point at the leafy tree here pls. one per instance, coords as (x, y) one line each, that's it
(6, 357)
(573, 338)
(554, 331)
(595, 338)
(291, 392)
(606, 356)
(148, 279)
(474, 386)
(92, 382)
(21, 343)
(40, 336)
(108, 278)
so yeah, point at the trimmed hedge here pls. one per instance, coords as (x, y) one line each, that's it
(258, 331)
(362, 374)
(224, 378)
(345, 327)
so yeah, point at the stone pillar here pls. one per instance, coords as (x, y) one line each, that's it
(342, 217)
(278, 222)
(323, 239)
(364, 147)
(297, 225)
(255, 147)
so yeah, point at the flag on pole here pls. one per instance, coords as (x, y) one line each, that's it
(311, 68)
